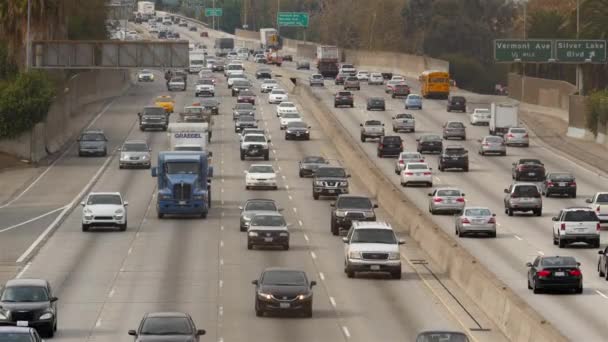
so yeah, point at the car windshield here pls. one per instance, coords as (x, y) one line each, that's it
(602, 198)
(442, 193)
(268, 220)
(314, 160)
(164, 99)
(494, 140)
(477, 212)
(482, 111)
(104, 199)
(404, 116)
(15, 337)
(193, 110)
(261, 206)
(457, 99)
(205, 81)
(373, 123)
(135, 147)
(261, 169)
(291, 116)
(286, 104)
(410, 156)
(430, 138)
(270, 82)
(330, 172)
(373, 236)
(278, 92)
(248, 106)
(297, 124)
(375, 100)
(246, 118)
(354, 202)
(413, 97)
(581, 216)
(526, 191)
(264, 71)
(285, 278)
(442, 337)
(176, 168)
(351, 78)
(93, 137)
(240, 83)
(518, 130)
(209, 103)
(166, 326)
(248, 131)
(391, 140)
(559, 262)
(455, 125)
(561, 177)
(246, 93)
(417, 167)
(154, 111)
(530, 161)
(188, 148)
(318, 77)
(455, 151)
(25, 294)
(255, 138)
(344, 93)
(177, 79)
(347, 66)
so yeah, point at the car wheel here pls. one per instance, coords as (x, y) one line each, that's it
(535, 289)
(403, 184)
(242, 156)
(49, 331)
(350, 273)
(579, 290)
(554, 240)
(334, 229)
(561, 243)
(123, 227)
(509, 211)
(493, 234)
(600, 271)
(597, 243)
(466, 169)
(85, 227)
(538, 212)
(249, 246)
(606, 272)
(301, 174)
(529, 286)
(308, 311)
(459, 233)
(258, 312)
(267, 156)
(396, 274)
(286, 247)
(573, 195)
(430, 185)
(363, 138)
(315, 196)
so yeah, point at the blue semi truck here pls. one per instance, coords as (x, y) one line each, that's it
(184, 183)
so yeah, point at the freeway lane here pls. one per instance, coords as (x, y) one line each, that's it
(520, 238)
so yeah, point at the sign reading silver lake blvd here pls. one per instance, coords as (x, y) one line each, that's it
(518, 50)
(580, 51)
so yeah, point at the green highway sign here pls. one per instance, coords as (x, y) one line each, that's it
(213, 12)
(519, 50)
(580, 51)
(297, 19)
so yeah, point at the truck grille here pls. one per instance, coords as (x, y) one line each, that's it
(103, 217)
(355, 216)
(375, 256)
(181, 192)
(22, 316)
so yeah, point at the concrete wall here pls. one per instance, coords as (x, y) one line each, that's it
(82, 97)
(541, 91)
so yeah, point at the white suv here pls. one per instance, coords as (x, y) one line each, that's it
(372, 247)
(104, 209)
(576, 224)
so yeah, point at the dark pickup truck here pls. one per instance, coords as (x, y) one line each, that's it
(329, 181)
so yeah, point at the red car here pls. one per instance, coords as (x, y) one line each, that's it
(246, 96)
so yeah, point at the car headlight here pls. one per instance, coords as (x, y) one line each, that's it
(164, 196)
(265, 295)
(197, 197)
(304, 296)
(394, 256)
(253, 234)
(47, 315)
(369, 214)
(119, 211)
(354, 255)
(284, 234)
(3, 315)
(340, 213)
(318, 183)
(306, 132)
(246, 218)
(289, 132)
(343, 183)
(144, 157)
(87, 211)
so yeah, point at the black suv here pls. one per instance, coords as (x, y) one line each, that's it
(458, 103)
(390, 145)
(329, 181)
(454, 157)
(344, 98)
(376, 103)
(350, 208)
(527, 169)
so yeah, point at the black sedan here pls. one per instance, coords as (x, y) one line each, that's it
(30, 301)
(211, 104)
(309, 164)
(430, 143)
(376, 103)
(559, 183)
(167, 326)
(555, 273)
(297, 130)
(281, 290)
(263, 73)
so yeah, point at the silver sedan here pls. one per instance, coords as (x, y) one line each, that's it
(446, 200)
(492, 145)
(476, 220)
(407, 157)
(517, 136)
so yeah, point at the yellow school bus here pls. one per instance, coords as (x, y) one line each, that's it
(435, 84)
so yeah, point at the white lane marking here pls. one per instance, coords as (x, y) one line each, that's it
(23, 270)
(333, 302)
(276, 159)
(221, 339)
(274, 151)
(300, 223)
(221, 227)
(438, 179)
(295, 210)
(56, 160)
(66, 209)
(517, 237)
(130, 250)
(222, 180)
(221, 262)
(111, 294)
(290, 198)
(222, 214)
(313, 255)
(270, 137)
(601, 294)
(221, 284)
(31, 220)
(98, 323)
(322, 276)
(222, 190)
(221, 311)
(137, 235)
(280, 168)
(223, 202)
(541, 252)
(222, 243)
(284, 177)
(346, 332)
(306, 237)
(286, 186)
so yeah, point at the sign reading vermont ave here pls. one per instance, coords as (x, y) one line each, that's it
(530, 50)
(580, 51)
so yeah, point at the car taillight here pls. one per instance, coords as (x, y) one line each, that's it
(422, 160)
(575, 273)
(550, 184)
(563, 226)
(597, 209)
(409, 173)
(465, 220)
(520, 168)
(526, 135)
(492, 220)
(460, 199)
(437, 200)
(381, 145)
(509, 135)
(597, 227)
(427, 173)
(572, 183)
(486, 144)
(401, 145)
(543, 273)
(402, 162)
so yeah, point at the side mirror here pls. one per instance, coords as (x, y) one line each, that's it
(392, 117)
(240, 208)
(126, 203)
(347, 176)
(462, 195)
(361, 125)
(578, 264)
(493, 215)
(332, 204)
(245, 171)
(401, 242)
(82, 203)
(255, 282)
(600, 252)
(479, 140)
(345, 239)
(588, 200)
(514, 164)
(139, 114)
(375, 205)
(281, 209)
(132, 332)
(554, 218)
(54, 299)
(417, 139)
(529, 264)
(506, 191)
(200, 332)
(309, 127)
(382, 125)
(269, 141)
(430, 194)
(155, 171)
(313, 283)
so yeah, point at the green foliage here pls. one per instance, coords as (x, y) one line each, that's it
(24, 103)
(8, 69)
(470, 74)
(547, 23)
(87, 22)
(597, 109)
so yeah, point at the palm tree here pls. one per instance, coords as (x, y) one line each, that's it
(594, 19)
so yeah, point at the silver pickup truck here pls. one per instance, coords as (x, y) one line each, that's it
(371, 129)
(404, 122)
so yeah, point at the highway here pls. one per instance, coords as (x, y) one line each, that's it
(520, 238)
(107, 280)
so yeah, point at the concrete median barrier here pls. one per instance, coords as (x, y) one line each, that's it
(516, 319)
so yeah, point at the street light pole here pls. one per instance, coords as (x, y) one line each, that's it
(278, 11)
(27, 39)
(579, 67)
(213, 25)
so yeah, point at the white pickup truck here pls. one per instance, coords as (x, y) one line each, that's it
(599, 203)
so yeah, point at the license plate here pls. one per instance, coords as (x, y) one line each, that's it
(531, 174)
(22, 323)
(449, 201)
(479, 221)
(284, 305)
(561, 184)
(331, 191)
(182, 202)
(374, 267)
(454, 158)
(254, 151)
(559, 274)
(268, 239)
(298, 134)
(418, 174)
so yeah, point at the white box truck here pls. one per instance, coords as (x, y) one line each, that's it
(197, 61)
(502, 117)
(185, 136)
(269, 37)
(146, 9)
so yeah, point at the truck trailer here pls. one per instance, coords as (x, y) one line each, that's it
(328, 57)
(502, 117)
